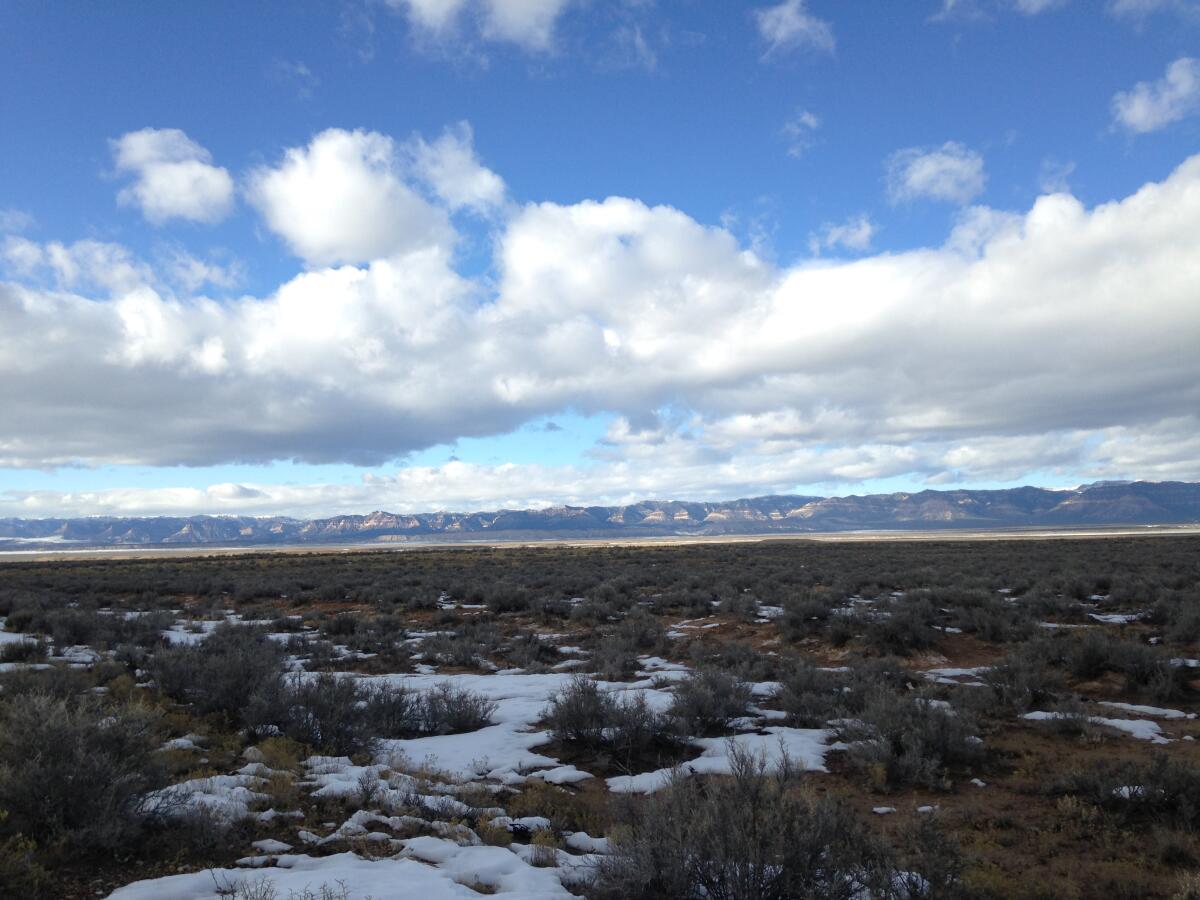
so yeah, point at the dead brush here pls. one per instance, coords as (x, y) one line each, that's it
(282, 753)
(493, 835)
(545, 844)
(589, 809)
(282, 791)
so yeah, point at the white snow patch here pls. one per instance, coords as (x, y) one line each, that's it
(226, 796)
(1139, 728)
(1156, 712)
(271, 846)
(1116, 618)
(806, 747)
(395, 878)
(504, 750)
(496, 867)
(585, 843)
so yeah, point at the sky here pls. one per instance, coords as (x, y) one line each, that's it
(311, 259)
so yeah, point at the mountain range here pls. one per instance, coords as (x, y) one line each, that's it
(1099, 504)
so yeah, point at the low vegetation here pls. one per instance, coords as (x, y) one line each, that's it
(993, 719)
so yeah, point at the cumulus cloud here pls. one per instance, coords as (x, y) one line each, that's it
(451, 168)
(1065, 330)
(191, 273)
(952, 173)
(342, 199)
(174, 177)
(436, 16)
(853, 234)
(83, 265)
(789, 25)
(527, 23)
(1153, 105)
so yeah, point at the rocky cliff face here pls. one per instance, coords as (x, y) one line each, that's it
(1106, 503)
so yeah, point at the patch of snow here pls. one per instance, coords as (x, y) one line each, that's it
(955, 673)
(1116, 618)
(1141, 729)
(17, 667)
(806, 747)
(494, 867)
(765, 689)
(658, 664)
(15, 637)
(187, 742)
(397, 878)
(270, 845)
(563, 775)
(79, 655)
(1155, 711)
(584, 843)
(228, 797)
(503, 751)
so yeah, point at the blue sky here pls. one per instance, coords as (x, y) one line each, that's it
(423, 254)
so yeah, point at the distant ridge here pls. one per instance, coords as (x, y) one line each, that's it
(1099, 504)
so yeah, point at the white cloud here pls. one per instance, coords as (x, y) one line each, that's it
(1034, 7)
(958, 10)
(799, 131)
(527, 23)
(191, 274)
(14, 220)
(952, 173)
(660, 464)
(1140, 9)
(436, 16)
(976, 10)
(1054, 176)
(342, 199)
(174, 177)
(789, 25)
(1152, 105)
(450, 167)
(855, 234)
(83, 265)
(1065, 330)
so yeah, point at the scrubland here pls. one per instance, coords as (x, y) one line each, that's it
(750, 720)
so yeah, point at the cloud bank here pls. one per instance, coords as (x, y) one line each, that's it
(1060, 338)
